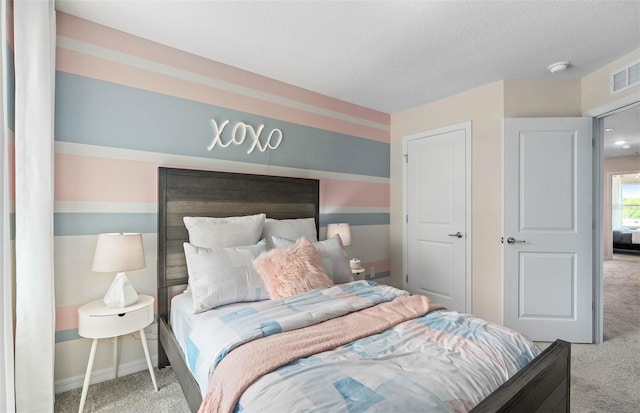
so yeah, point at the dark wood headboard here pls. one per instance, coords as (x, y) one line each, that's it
(187, 192)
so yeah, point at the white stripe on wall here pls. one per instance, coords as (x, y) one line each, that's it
(152, 208)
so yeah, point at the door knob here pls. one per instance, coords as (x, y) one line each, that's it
(512, 240)
(457, 235)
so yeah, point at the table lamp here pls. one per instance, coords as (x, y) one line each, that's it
(119, 252)
(343, 230)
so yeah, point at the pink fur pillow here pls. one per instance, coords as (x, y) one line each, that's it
(291, 270)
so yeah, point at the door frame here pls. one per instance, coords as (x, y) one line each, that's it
(466, 126)
(598, 115)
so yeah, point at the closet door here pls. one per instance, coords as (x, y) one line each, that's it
(436, 206)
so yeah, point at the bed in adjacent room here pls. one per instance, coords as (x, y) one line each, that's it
(251, 334)
(626, 239)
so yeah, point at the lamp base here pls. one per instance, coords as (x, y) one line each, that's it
(120, 293)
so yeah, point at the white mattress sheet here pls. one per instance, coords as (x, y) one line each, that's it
(182, 319)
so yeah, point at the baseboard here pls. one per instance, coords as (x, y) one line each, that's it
(98, 376)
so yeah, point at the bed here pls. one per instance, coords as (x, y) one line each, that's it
(541, 385)
(626, 239)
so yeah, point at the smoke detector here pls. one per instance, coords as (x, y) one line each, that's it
(559, 67)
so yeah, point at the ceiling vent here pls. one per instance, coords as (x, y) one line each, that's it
(625, 78)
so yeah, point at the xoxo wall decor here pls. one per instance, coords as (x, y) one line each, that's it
(239, 133)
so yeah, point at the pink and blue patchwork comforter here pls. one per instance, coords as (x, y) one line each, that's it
(439, 362)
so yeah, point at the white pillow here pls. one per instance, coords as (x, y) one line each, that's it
(332, 256)
(291, 229)
(219, 276)
(224, 232)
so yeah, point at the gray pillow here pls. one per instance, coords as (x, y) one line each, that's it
(291, 229)
(211, 232)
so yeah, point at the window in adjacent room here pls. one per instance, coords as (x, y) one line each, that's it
(626, 200)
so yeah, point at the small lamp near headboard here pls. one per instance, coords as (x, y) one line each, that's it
(119, 252)
(343, 230)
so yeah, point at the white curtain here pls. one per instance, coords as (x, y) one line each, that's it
(34, 51)
(7, 396)
(616, 201)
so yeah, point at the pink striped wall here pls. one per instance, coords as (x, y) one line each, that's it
(90, 66)
(117, 180)
(88, 177)
(86, 65)
(103, 179)
(73, 27)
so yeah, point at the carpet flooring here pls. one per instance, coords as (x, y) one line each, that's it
(605, 378)
(128, 394)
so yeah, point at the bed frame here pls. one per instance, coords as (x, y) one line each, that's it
(541, 386)
(624, 247)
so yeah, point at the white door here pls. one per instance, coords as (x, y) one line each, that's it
(548, 228)
(436, 197)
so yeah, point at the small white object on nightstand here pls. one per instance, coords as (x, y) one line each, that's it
(96, 321)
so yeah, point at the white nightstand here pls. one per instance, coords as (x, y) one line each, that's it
(357, 272)
(96, 321)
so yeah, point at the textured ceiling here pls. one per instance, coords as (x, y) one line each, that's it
(384, 55)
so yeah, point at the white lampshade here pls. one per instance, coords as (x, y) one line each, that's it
(343, 230)
(119, 253)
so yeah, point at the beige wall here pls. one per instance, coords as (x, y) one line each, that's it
(485, 107)
(528, 98)
(614, 166)
(595, 86)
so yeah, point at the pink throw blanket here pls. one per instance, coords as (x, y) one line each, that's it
(250, 361)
